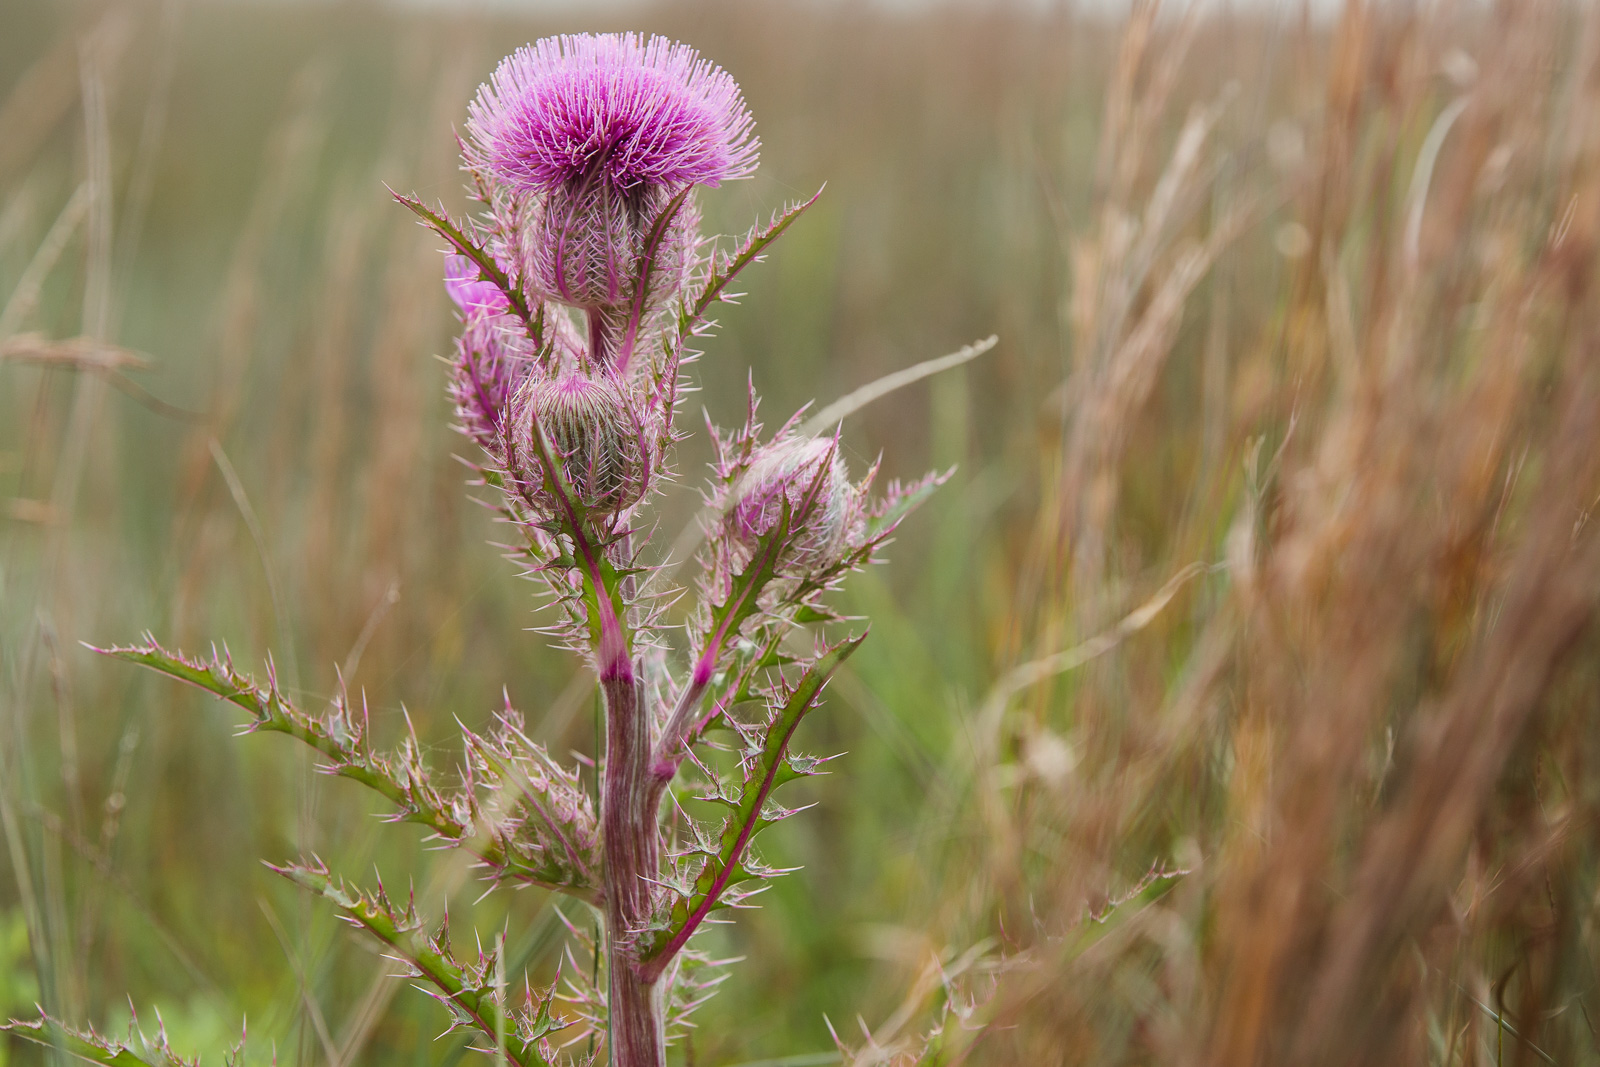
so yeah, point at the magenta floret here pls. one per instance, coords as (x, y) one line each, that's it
(632, 112)
(469, 292)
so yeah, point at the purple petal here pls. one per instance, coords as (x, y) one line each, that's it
(631, 111)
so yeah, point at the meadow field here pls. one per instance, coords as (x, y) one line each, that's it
(1235, 702)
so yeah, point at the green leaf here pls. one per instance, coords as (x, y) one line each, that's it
(763, 770)
(401, 778)
(469, 991)
(744, 592)
(488, 268)
(605, 611)
(750, 251)
(137, 1051)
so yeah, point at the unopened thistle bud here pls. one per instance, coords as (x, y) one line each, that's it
(595, 435)
(810, 475)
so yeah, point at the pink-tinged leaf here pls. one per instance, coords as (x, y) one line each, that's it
(602, 593)
(649, 263)
(764, 771)
(482, 258)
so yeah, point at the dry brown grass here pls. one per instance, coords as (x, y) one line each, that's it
(1368, 735)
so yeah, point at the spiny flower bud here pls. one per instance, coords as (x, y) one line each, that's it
(585, 244)
(788, 469)
(596, 437)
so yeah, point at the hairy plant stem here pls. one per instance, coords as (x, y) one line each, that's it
(632, 864)
(673, 745)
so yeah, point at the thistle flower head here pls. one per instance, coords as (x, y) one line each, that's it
(575, 109)
(585, 140)
(809, 474)
(595, 434)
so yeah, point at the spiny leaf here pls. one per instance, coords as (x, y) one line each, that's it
(754, 244)
(762, 773)
(402, 779)
(481, 258)
(882, 520)
(137, 1051)
(469, 991)
(743, 598)
(901, 501)
(649, 262)
(602, 594)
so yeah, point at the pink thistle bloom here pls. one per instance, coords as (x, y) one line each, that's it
(569, 110)
(590, 138)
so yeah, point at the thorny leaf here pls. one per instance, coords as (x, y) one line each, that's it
(743, 596)
(649, 261)
(764, 767)
(602, 597)
(484, 260)
(139, 1050)
(725, 267)
(468, 991)
(511, 845)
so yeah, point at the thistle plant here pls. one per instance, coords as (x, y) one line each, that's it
(581, 285)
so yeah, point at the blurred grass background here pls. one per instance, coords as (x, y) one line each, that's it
(1268, 558)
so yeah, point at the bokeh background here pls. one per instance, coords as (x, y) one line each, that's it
(1233, 703)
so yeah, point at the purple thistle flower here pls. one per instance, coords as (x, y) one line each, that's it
(586, 140)
(569, 110)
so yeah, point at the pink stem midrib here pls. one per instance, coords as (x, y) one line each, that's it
(651, 969)
(674, 743)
